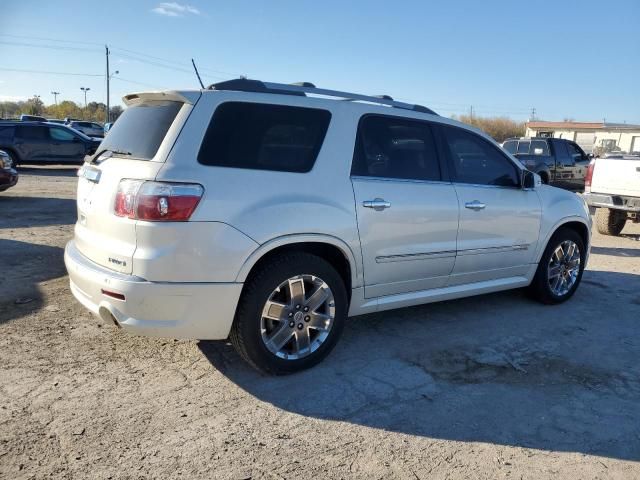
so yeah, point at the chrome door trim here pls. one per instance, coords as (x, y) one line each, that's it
(415, 256)
(404, 180)
(477, 251)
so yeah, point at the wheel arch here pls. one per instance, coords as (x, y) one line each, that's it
(577, 224)
(332, 249)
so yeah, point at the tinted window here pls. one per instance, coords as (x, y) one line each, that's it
(395, 148)
(539, 147)
(523, 147)
(574, 152)
(141, 128)
(474, 160)
(6, 133)
(61, 134)
(510, 146)
(562, 154)
(263, 137)
(32, 133)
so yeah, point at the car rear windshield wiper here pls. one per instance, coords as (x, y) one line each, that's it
(108, 150)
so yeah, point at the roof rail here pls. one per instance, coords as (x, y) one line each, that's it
(302, 88)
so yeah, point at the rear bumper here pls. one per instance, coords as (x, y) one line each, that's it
(158, 309)
(618, 202)
(8, 178)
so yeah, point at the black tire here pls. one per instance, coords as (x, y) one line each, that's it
(540, 289)
(609, 221)
(245, 333)
(544, 178)
(13, 157)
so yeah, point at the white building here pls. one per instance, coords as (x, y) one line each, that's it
(605, 136)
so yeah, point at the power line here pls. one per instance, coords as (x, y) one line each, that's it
(52, 47)
(46, 72)
(31, 37)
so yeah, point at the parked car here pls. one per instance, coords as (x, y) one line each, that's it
(243, 211)
(559, 162)
(56, 120)
(613, 190)
(8, 173)
(91, 129)
(41, 142)
(32, 118)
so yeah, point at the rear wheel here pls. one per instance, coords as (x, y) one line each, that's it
(291, 314)
(560, 269)
(609, 221)
(13, 157)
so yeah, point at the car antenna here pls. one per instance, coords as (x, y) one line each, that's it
(197, 74)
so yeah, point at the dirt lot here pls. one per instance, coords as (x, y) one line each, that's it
(488, 387)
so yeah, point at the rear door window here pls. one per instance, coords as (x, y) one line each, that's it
(28, 132)
(141, 128)
(389, 147)
(6, 133)
(263, 137)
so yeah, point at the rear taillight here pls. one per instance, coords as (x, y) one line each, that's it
(157, 201)
(589, 176)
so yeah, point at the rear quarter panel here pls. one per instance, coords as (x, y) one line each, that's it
(274, 207)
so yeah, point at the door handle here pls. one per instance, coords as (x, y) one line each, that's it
(378, 204)
(475, 205)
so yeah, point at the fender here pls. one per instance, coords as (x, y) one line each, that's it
(571, 218)
(258, 253)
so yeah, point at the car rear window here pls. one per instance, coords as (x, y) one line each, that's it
(510, 146)
(264, 137)
(539, 147)
(141, 128)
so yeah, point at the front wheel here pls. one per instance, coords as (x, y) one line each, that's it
(560, 269)
(291, 313)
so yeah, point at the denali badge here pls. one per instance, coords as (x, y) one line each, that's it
(122, 263)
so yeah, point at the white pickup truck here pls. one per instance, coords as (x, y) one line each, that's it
(612, 188)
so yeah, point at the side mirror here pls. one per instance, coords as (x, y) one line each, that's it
(590, 156)
(528, 180)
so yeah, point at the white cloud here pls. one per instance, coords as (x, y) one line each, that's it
(175, 9)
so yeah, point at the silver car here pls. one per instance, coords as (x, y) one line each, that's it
(91, 129)
(270, 213)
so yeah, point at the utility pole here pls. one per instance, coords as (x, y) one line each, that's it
(107, 118)
(471, 112)
(55, 97)
(36, 101)
(533, 114)
(85, 90)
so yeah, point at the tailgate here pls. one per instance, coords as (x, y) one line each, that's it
(136, 148)
(617, 176)
(100, 235)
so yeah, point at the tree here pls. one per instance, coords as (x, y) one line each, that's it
(500, 128)
(116, 111)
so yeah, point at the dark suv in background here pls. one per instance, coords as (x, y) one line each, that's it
(559, 162)
(42, 142)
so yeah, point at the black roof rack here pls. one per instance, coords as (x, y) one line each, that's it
(303, 88)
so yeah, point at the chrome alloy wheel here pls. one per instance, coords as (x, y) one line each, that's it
(297, 317)
(563, 268)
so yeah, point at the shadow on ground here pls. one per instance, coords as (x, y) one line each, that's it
(49, 170)
(25, 212)
(22, 266)
(616, 252)
(496, 368)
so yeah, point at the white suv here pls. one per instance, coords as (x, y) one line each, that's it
(269, 213)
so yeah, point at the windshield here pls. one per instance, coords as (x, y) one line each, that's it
(141, 128)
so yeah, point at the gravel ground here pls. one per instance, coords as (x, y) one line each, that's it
(494, 386)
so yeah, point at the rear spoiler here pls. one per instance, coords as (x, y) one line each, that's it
(187, 96)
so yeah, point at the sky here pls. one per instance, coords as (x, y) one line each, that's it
(567, 59)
